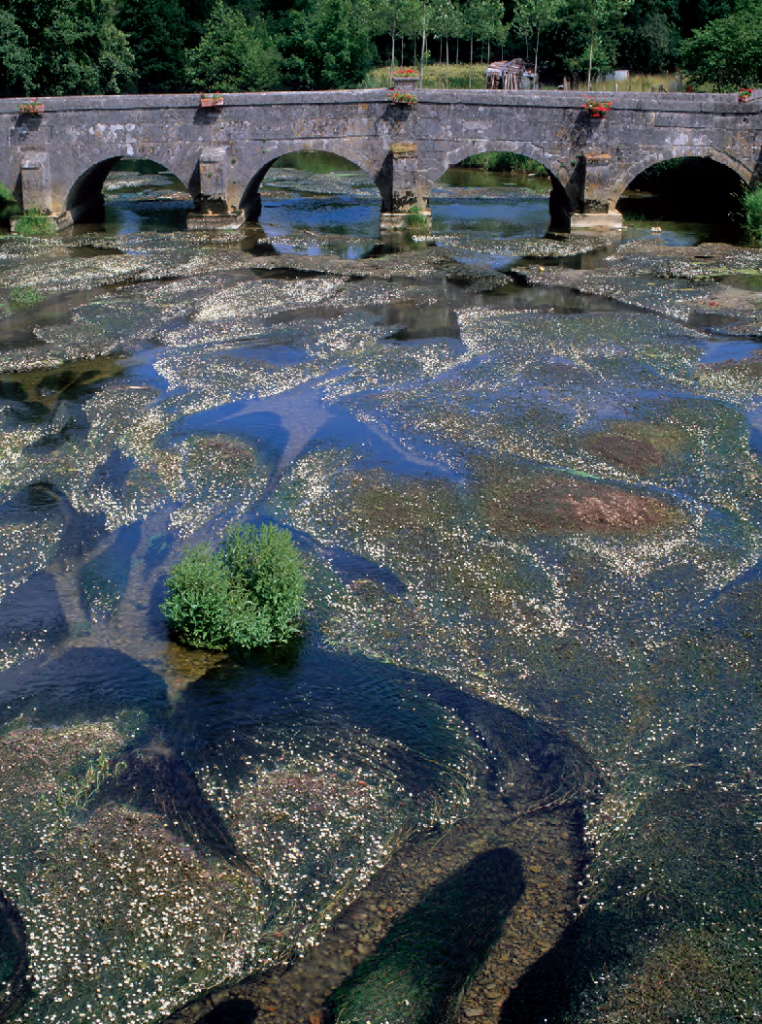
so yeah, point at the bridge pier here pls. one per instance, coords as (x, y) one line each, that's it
(591, 189)
(404, 190)
(209, 190)
(37, 191)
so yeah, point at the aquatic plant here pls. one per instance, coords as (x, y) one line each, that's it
(33, 223)
(751, 202)
(247, 594)
(74, 793)
(24, 297)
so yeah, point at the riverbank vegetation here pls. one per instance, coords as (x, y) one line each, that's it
(752, 211)
(506, 163)
(249, 593)
(47, 48)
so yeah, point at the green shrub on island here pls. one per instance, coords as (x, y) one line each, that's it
(249, 593)
(752, 211)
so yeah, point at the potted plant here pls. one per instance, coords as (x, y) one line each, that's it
(595, 107)
(32, 108)
(403, 99)
(745, 94)
(405, 76)
(214, 99)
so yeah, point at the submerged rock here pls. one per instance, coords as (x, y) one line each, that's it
(548, 503)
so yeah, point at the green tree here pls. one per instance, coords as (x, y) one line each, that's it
(487, 21)
(157, 31)
(18, 63)
(596, 16)
(75, 47)
(233, 55)
(445, 23)
(727, 52)
(395, 18)
(532, 17)
(651, 35)
(328, 44)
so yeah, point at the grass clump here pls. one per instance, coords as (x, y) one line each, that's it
(24, 297)
(416, 220)
(33, 224)
(751, 203)
(249, 593)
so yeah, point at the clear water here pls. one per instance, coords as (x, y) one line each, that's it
(533, 527)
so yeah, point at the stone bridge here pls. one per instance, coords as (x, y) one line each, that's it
(57, 161)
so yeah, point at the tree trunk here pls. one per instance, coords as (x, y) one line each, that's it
(471, 65)
(590, 65)
(391, 66)
(447, 58)
(536, 51)
(423, 43)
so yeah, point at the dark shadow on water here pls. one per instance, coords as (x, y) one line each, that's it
(14, 960)
(232, 1011)
(551, 989)
(422, 966)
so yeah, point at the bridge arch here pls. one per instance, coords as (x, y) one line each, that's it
(625, 178)
(85, 192)
(560, 202)
(250, 200)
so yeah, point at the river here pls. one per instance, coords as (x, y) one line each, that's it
(511, 771)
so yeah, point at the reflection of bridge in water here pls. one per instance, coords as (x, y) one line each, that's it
(57, 162)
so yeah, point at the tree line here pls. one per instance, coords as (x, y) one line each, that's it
(69, 47)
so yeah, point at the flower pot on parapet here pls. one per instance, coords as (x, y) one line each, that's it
(215, 100)
(32, 108)
(596, 108)
(402, 99)
(405, 78)
(745, 95)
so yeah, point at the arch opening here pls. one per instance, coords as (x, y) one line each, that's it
(125, 194)
(501, 194)
(697, 194)
(304, 194)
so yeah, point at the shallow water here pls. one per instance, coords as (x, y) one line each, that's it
(533, 526)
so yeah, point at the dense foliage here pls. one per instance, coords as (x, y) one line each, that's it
(61, 47)
(728, 51)
(248, 593)
(752, 208)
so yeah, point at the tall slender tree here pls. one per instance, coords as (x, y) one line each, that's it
(532, 17)
(488, 24)
(394, 18)
(595, 15)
